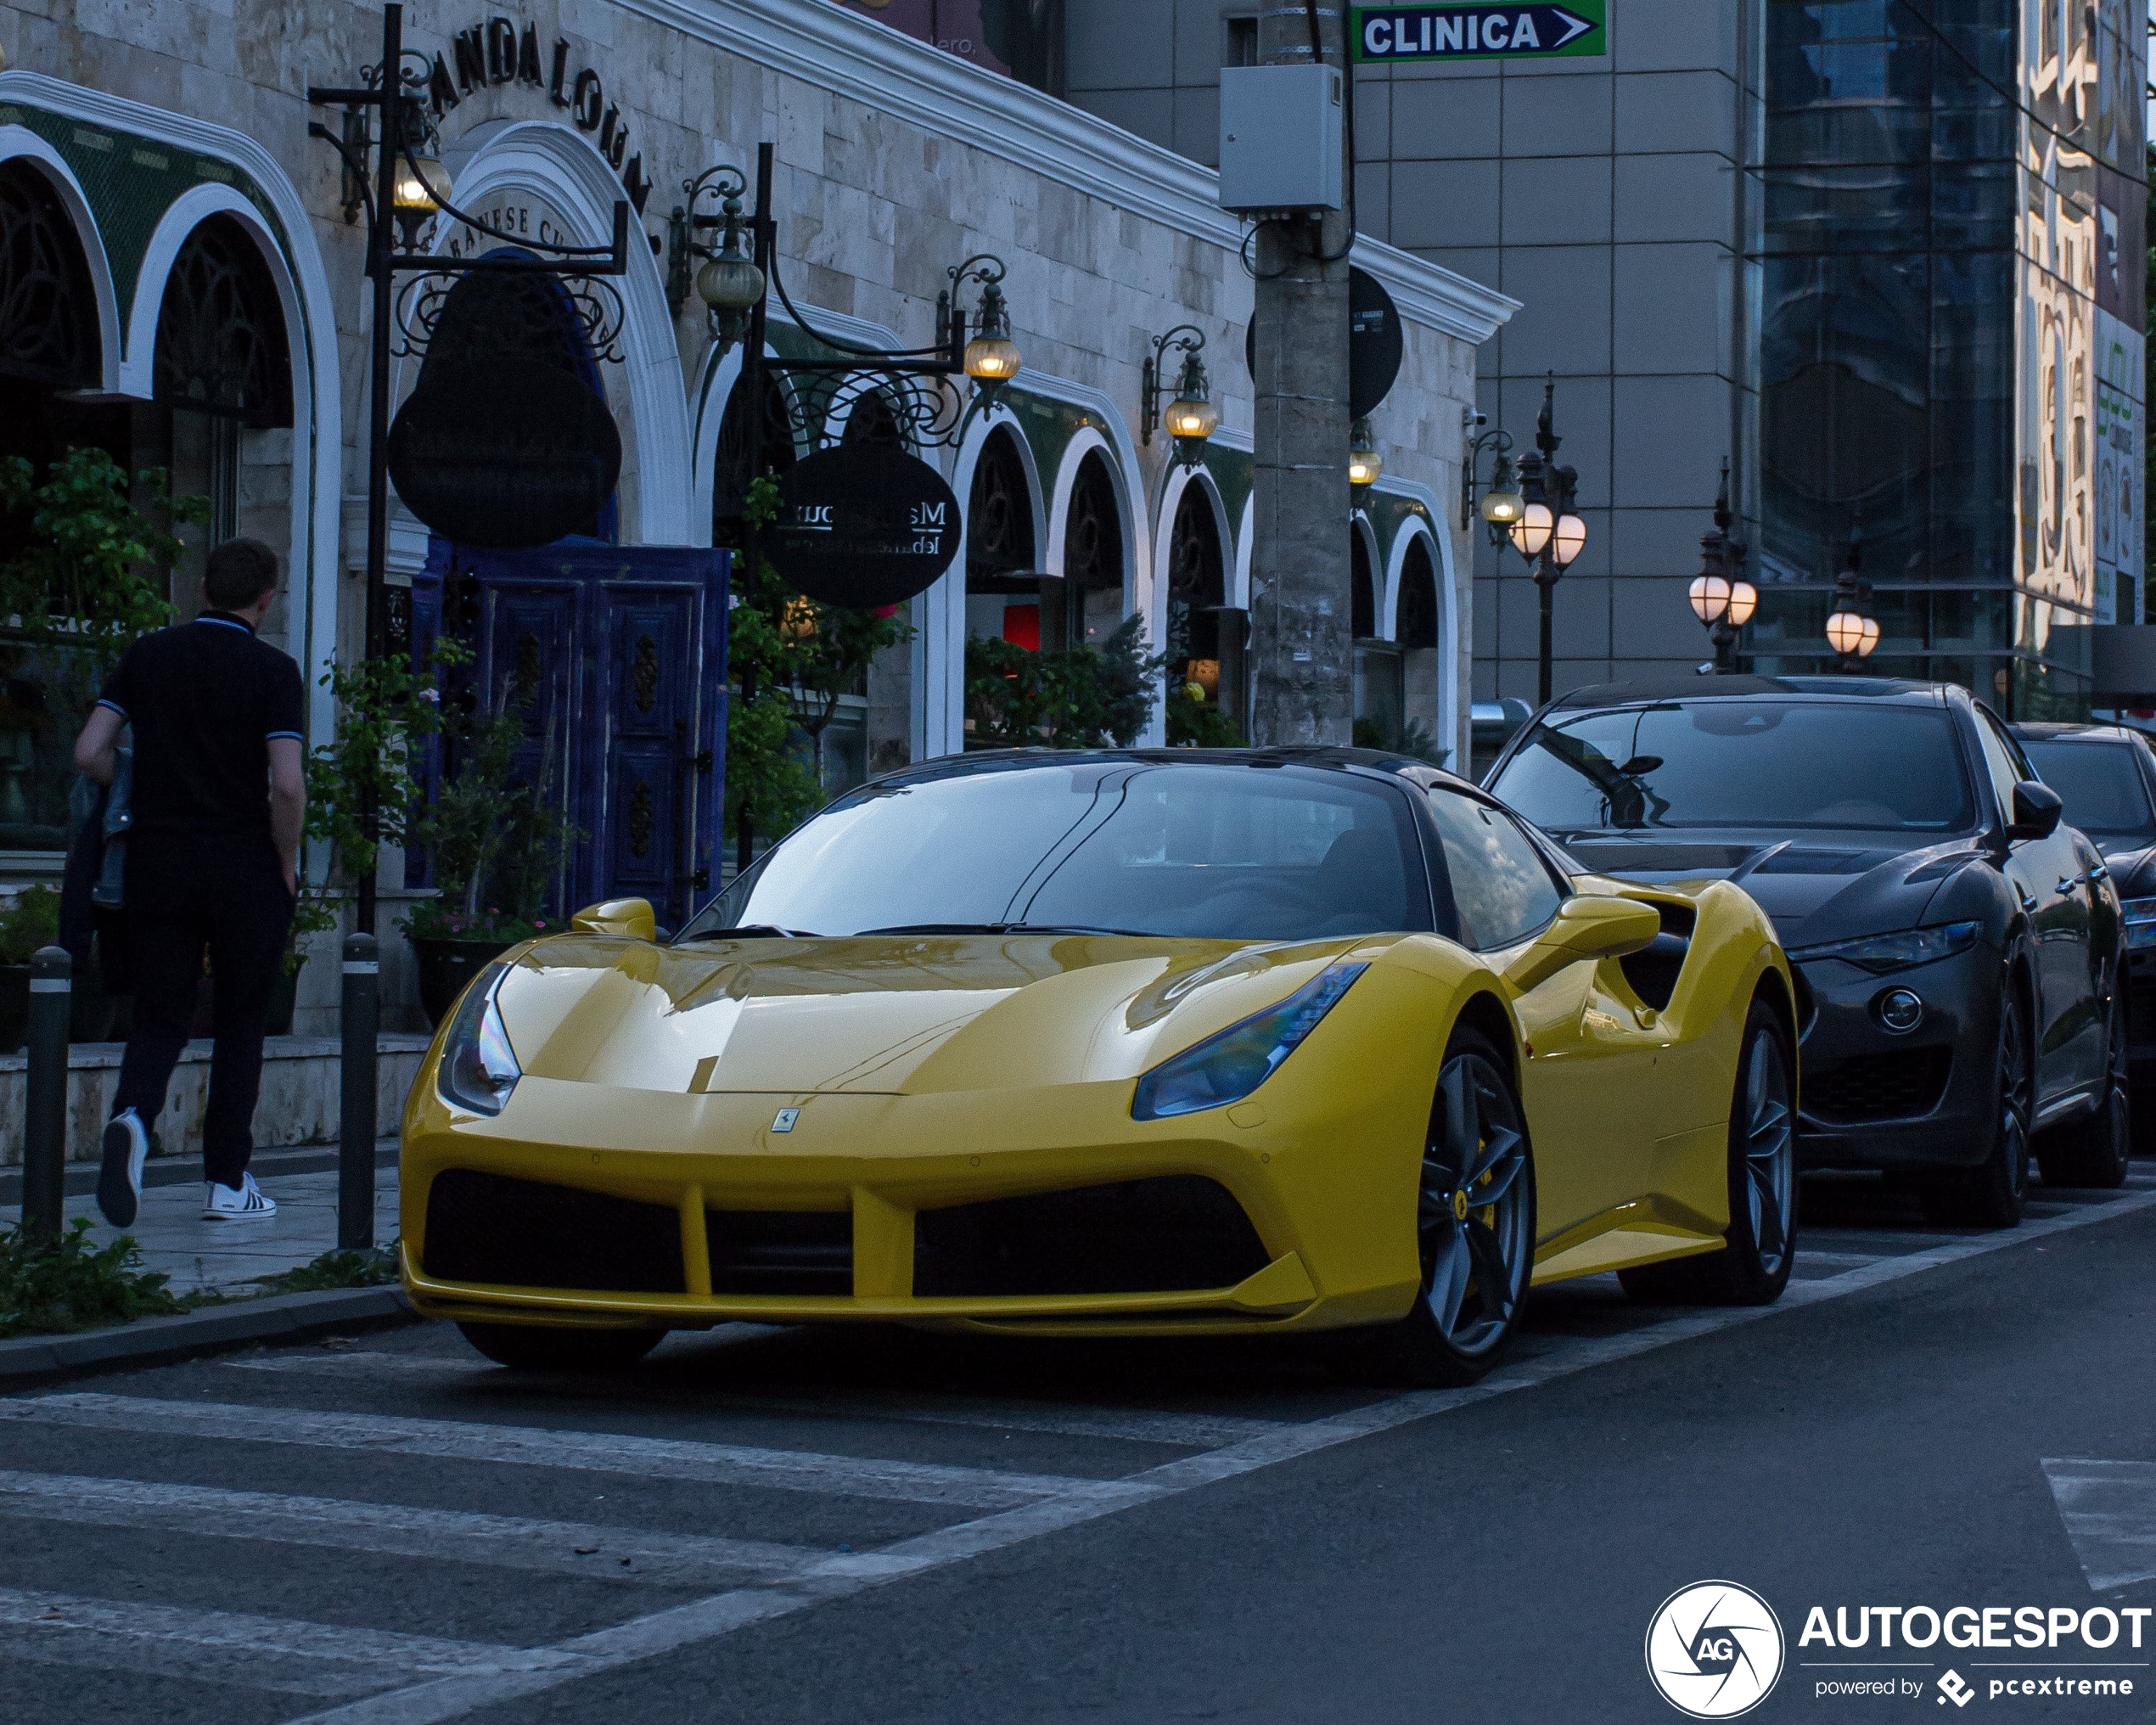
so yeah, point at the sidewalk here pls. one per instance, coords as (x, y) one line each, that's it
(229, 1255)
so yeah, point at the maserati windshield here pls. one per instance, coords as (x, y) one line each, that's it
(1743, 763)
(1205, 850)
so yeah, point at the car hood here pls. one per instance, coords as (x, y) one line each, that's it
(888, 1015)
(1816, 886)
(2133, 865)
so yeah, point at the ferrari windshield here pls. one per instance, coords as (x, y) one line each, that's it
(1212, 849)
(2105, 796)
(1743, 763)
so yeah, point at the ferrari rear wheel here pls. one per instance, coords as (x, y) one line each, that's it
(2094, 1150)
(560, 1347)
(1475, 1224)
(1752, 1266)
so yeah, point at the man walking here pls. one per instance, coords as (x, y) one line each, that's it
(218, 794)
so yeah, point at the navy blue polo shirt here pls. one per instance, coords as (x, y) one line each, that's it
(202, 700)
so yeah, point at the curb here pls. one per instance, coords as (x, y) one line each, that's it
(159, 1340)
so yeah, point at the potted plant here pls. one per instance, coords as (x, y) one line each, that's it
(31, 921)
(496, 846)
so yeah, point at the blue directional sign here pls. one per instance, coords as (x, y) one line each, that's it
(1383, 34)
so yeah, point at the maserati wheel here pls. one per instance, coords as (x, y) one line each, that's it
(1752, 1266)
(2094, 1149)
(1990, 1196)
(550, 1347)
(1475, 1223)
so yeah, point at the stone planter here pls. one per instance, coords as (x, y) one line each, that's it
(445, 967)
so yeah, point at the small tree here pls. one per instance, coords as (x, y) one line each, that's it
(1074, 700)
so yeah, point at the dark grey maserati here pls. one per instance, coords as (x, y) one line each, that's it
(1959, 947)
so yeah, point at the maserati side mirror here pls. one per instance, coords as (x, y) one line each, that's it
(2036, 810)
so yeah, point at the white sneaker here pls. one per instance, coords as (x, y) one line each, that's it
(120, 1181)
(242, 1203)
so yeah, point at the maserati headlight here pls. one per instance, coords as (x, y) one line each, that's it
(479, 1068)
(1229, 1065)
(1879, 954)
(2140, 915)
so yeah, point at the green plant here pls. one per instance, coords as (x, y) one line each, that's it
(1198, 723)
(337, 1268)
(790, 659)
(1411, 738)
(91, 573)
(1078, 699)
(50, 1287)
(33, 920)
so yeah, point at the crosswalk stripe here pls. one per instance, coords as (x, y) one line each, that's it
(584, 1549)
(327, 1659)
(1128, 1424)
(2109, 1508)
(602, 1452)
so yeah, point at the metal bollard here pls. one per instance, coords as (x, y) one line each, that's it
(360, 1017)
(44, 1144)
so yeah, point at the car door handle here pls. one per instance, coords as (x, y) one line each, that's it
(2068, 884)
(2099, 872)
(2028, 902)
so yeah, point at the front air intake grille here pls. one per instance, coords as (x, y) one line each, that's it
(780, 1251)
(524, 1234)
(1899, 1084)
(1171, 1234)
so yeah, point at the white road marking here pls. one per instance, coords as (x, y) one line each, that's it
(1807, 1254)
(2109, 1509)
(587, 1550)
(542, 1446)
(703, 1620)
(236, 1648)
(1128, 1424)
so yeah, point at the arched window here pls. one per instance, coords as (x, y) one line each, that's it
(1196, 588)
(999, 519)
(730, 474)
(49, 310)
(1415, 624)
(1363, 600)
(1092, 540)
(221, 341)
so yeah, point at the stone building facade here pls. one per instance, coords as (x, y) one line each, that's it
(160, 156)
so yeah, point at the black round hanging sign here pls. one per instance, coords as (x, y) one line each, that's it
(864, 527)
(501, 457)
(1375, 343)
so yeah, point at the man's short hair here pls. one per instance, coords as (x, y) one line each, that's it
(241, 570)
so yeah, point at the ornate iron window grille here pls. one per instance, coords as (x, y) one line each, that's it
(221, 340)
(48, 329)
(999, 519)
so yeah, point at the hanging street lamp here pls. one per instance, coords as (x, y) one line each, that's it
(1191, 417)
(1722, 599)
(1501, 504)
(1851, 631)
(1365, 460)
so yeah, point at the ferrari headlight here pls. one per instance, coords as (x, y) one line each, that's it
(1229, 1065)
(1879, 954)
(2141, 921)
(479, 1068)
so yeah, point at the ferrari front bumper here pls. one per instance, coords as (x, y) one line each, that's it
(1049, 1210)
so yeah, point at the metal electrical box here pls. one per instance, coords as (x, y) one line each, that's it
(1280, 139)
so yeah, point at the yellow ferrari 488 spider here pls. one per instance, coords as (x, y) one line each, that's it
(1124, 1042)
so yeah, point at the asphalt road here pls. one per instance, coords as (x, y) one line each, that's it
(840, 1526)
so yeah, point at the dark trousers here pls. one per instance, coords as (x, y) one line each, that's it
(185, 897)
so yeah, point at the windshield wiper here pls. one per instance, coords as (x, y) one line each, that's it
(1001, 928)
(759, 931)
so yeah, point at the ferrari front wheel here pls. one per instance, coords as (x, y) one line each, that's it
(1752, 1266)
(1475, 1223)
(560, 1347)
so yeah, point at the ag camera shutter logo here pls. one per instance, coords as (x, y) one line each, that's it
(1714, 1649)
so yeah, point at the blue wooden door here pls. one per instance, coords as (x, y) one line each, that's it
(616, 655)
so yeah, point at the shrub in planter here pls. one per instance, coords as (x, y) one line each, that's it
(33, 920)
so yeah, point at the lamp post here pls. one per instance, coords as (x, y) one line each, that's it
(1502, 505)
(1549, 533)
(1720, 596)
(1851, 631)
(402, 190)
(1191, 417)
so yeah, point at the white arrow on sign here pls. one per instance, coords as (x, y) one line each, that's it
(1573, 25)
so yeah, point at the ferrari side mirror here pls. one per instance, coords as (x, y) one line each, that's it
(626, 918)
(1587, 926)
(2036, 810)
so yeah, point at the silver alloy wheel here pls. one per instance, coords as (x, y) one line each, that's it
(1770, 1149)
(1473, 1221)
